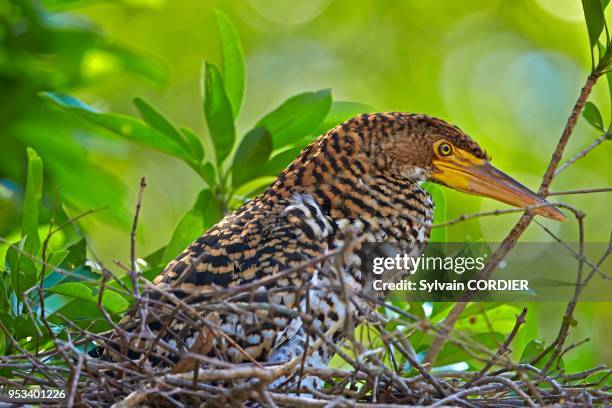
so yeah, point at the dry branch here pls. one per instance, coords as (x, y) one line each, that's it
(514, 235)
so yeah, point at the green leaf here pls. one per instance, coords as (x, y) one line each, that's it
(111, 301)
(155, 258)
(80, 274)
(416, 309)
(81, 312)
(218, 111)
(279, 162)
(500, 318)
(594, 16)
(209, 207)
(438, 234)
(439, 307)
(249, 190)
(150, 115)
(479, 307)
(609, 78)
(77, 254)
(297, 117)
(601, 377)
(6, 288)
(25, 326)
(601, 49)
(340, 112)
(452, 353)
(233, 61)
(209, 174)
(152, 273)
(593, 116)
(31, 204)
(155, 268)
(122, 125)
(85, 182)
(251, 155)
(190, 226)
(19, 257)
(22, 269)
(55, 259)
(531, 350)
(194, 144)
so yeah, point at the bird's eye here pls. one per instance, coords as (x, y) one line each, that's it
(445, 149)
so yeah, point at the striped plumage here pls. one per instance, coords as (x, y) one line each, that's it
(361, 178)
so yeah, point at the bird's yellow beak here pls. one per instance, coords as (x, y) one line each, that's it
(465, 172)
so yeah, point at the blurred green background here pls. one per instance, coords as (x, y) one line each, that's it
(508, 73)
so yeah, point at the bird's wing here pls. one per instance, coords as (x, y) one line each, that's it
(256, 241)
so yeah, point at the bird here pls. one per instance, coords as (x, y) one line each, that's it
(361, 179)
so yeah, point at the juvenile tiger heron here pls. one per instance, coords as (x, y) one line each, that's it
(364, 177)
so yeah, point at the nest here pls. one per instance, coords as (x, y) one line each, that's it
(376, 364)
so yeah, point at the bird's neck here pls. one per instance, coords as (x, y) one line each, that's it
(347, 185)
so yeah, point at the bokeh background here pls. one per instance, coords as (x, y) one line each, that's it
(507, 73)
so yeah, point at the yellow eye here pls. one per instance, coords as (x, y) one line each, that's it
(445, 149)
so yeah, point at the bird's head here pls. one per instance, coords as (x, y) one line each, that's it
(426, 148)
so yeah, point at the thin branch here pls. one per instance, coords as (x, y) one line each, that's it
(134, 271)
(465, 217)
(584, 152)
(520, 319)
(567, 322)
(568, 318)
(585, 191)
(514, 235)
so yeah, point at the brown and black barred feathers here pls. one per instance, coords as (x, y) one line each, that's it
(361, 178)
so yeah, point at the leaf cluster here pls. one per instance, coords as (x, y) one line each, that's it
(232, 168)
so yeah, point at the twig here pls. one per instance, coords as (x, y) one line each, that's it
(510, 384)
(568, 319)
(465, 217)
(134, 271)
(571, 347)
(583, 374)
(584, 191)
(583, 152)
(72, 391)
(76, 218)
(458, 396)
(404, 348)
(572, 252)
(520, 319)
